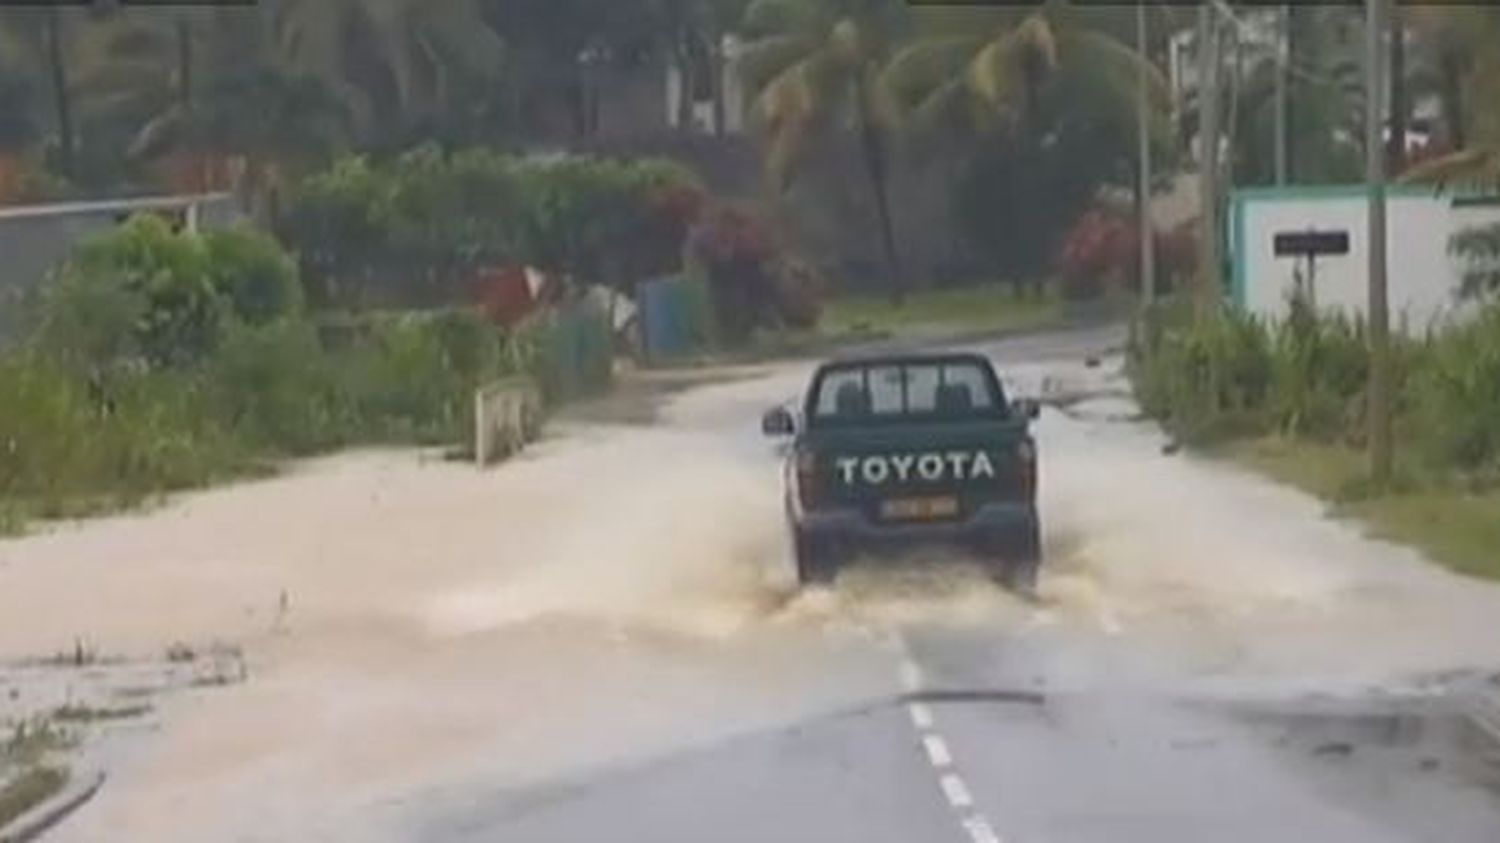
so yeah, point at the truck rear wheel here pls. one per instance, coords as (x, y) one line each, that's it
(816, 564)
(1020, 560)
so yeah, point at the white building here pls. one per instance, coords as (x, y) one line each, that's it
(1424, 277)
(702, 107)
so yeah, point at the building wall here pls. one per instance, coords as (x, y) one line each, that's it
(1423, 278)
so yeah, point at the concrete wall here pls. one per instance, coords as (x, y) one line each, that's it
(36, 239)
(1424, 278)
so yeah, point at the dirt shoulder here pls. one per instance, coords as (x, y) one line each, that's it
(1457, 527)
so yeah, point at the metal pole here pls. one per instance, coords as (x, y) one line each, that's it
(1283, 26)
(1380, 380)
(1143, 139)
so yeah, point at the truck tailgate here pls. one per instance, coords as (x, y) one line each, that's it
(921, 472)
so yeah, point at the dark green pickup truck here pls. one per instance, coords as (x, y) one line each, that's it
(892, 451)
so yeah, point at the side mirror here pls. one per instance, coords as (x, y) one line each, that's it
(777, 422)
(1026, 408)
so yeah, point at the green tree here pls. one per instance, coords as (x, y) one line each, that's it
(42, 41)
(1014, 71)
(561, 50)
(1326, 102)
(18, 123)
(815, 66)
(398, 64)
(1463, 45)
(1029, 112)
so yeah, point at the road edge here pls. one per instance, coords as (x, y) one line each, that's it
(1483, 717)
(41, 818)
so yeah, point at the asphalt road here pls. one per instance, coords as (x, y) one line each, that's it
(601, 641)
(1096, 716)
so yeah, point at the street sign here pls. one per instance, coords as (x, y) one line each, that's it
(1310, 244)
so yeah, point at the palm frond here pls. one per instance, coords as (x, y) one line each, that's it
(783, 17)
(920, 70)
(1002, 71)
(763, 60)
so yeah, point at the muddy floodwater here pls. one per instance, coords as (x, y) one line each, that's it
(411, 626)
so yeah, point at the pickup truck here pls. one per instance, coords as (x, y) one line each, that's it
(891, 451)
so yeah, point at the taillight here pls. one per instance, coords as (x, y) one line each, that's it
(1026, 469)
(807, 478)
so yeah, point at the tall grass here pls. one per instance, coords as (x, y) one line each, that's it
(162, 360)
(72, 442)
(1233, 376)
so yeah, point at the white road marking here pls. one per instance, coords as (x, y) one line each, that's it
(956, 791)
(921, 716)
(980, 831)
(937, 751)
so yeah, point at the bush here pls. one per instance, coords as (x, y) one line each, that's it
(1204, 380)
(179, 311)
(146, 293)
(414, 231)
(1097, 254)
(254, 275)
(1321, 367)
(1306, 377)
(166, 360)
(1101, 254)
(277, 387)
(1454, 396)
(89, 326)
(61, 445)
(750, 284)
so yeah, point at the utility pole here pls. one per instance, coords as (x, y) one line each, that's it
(62, 97)
(1208, 292)
(1283, 59)
(1379, 434)
(1396, 81)
(1143, 139)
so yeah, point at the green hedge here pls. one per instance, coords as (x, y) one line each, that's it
(412, 229)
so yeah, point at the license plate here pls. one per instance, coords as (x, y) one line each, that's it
(919, 509)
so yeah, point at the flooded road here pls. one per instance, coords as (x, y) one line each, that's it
(602, 639)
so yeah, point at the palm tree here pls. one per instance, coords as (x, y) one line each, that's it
(987, 85)
(1326, 91)
(815, 65)
(272, 122)
(38, 40)
(1461, 50)
(395, 62)
(995, 68)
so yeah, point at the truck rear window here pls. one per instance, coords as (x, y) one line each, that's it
(890, 391)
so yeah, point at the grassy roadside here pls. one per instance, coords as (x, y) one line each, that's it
(985, 307)
(28, 790)
(1454, 527)
(27, 776)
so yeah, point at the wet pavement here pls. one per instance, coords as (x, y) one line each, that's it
(602, 640)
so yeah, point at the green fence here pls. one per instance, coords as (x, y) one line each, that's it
(572, 352)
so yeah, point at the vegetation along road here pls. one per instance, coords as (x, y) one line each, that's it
(262, 581)
(603, 639)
